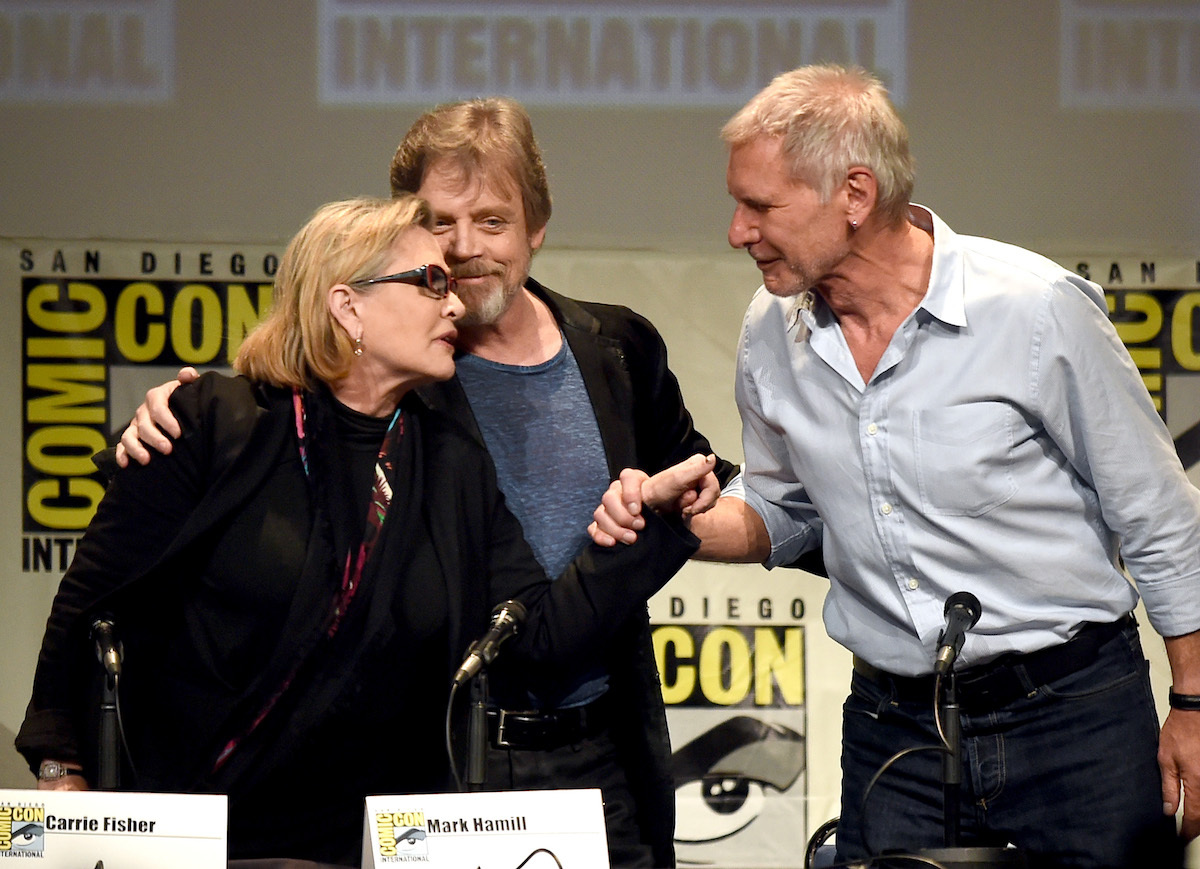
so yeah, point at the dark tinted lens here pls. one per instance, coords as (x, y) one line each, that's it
(437, 279)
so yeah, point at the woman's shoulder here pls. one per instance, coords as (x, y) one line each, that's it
(224, 396)
(224, 411)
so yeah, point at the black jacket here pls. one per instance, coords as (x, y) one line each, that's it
(643, 424)
(177, 551)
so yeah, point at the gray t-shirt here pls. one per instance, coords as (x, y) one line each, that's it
(541, 430)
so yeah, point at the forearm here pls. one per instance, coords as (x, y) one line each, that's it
(1183, 654)
(732, 532)
(572, 620)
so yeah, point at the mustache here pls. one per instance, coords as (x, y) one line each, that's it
(476, 270)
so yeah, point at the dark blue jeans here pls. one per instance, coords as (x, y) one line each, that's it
(1069, 776)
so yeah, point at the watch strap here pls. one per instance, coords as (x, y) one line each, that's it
(53, 770)
(1186, 702)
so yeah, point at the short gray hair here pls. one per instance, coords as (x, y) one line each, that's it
(829, 118)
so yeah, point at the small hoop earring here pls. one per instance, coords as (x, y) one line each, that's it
(358, 346)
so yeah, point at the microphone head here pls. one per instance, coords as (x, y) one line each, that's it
(968, 602)
(510, 610)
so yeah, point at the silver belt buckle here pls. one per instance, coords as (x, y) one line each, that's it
(501, 742)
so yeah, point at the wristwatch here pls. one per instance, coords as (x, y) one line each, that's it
(52, 770)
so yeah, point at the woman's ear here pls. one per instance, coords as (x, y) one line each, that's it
(343, 305)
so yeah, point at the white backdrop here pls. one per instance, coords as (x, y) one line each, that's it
(197, 129)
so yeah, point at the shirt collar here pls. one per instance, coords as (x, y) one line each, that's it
(801, 308)
(943, 300)
(945, 297)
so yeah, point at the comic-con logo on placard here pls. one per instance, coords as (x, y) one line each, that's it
(22, 830)
(401, 837)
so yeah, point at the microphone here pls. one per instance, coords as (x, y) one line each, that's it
(104, 635)
(962, 612)
(507, 619)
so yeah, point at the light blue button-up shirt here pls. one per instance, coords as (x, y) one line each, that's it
(1005, 446)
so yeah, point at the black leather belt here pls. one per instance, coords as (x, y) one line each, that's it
(996, 684)
(543, 730)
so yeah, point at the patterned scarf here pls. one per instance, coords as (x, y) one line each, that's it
(377, 509)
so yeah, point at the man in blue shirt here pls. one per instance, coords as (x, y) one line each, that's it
(951, 414)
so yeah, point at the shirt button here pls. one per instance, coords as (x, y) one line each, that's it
(886, 509)
(872, 429)
(913, 584)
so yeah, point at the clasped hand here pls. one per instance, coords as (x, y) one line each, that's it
(685, 489)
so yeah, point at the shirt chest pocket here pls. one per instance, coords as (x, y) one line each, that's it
(964, 458)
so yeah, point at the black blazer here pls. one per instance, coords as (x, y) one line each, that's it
(643, 424)
(148, 559)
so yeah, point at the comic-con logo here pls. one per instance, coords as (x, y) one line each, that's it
(730, 665)
(401, 836)
(22, 830)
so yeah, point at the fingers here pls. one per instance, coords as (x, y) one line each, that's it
(1178, 749)
(151, 424)
(155, 414)
(664, 489)
(606, 532)
(687, 488)
(187, 374)
(706, 493)
(599, 537)
(131, 448)
(632, 482)
(1170, 793)
(147, 432)
(617, 519)
(1189, 827)
(1170, 772)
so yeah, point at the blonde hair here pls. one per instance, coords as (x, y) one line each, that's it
(829, 119)
(483, 138)
(300, 343)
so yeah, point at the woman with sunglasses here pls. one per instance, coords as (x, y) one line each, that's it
(297, 581)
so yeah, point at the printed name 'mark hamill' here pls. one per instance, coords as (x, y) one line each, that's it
(517, 823)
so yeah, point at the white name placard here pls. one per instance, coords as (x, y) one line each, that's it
(85, 829)
(493, 830)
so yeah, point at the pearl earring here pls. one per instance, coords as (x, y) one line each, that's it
(358, 346)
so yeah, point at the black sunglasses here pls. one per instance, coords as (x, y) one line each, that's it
(431, 277)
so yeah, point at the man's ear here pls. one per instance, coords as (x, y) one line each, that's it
(536, 239)
(343, 305)
(862, 190)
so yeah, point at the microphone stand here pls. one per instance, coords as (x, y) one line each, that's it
(951, 761)
(109, 765)
(953, 856)
(477, 736)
